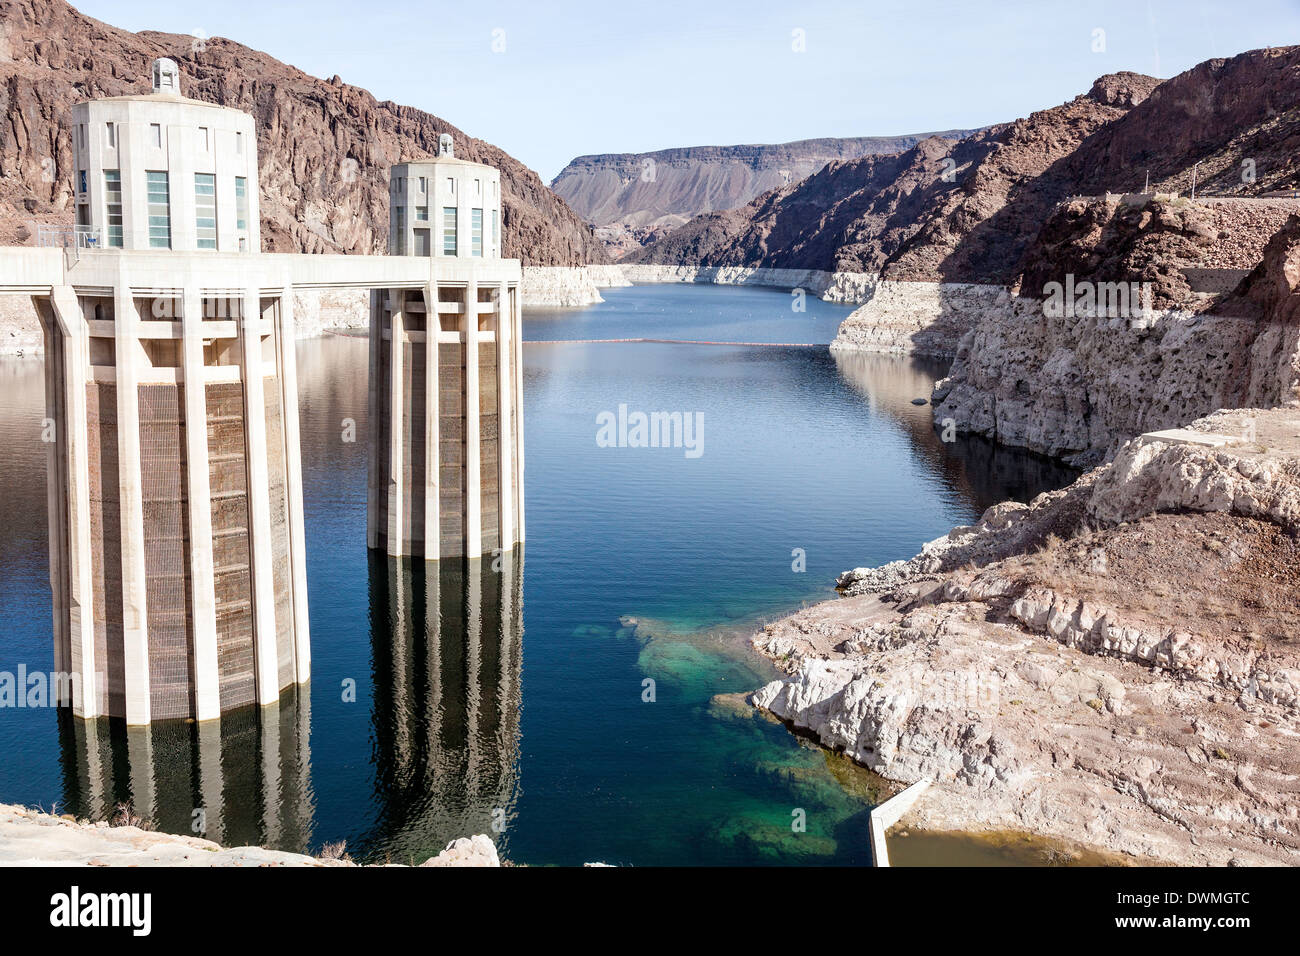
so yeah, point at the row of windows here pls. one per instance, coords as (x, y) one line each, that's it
(158, 195)
(449, 231)
(398, 184)
(156, 137)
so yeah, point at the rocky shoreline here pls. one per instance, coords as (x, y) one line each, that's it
(568, 287)
(845, 287)
(31, 837)
(1112, 664)
(919, 318)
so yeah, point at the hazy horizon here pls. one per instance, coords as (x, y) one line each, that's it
(547, 88)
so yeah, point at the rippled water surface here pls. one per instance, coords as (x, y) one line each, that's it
(513, 701)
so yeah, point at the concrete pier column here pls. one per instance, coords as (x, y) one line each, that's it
(517, 449)
(505, 393)
(473, 480)
(396, 403)
(259, 514)
(432, 468)
(88, 691)
(286, 340)
(135, 634)
(376, 438)
(203, 598)
(56, 503)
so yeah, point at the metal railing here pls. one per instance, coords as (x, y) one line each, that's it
(73, 240)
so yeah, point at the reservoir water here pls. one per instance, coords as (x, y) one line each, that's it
(565, 698)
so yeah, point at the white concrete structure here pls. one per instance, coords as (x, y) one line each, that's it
(887, 814)
(159, 171)
(177, 554)
(444, 207)
(446, 463)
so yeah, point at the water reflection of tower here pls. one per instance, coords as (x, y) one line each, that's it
(245, 780)
(448, 641)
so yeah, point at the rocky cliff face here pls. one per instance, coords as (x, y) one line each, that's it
(941, 211)
(1112, 663)
(324, 147)
(1237, 117)
(1077, 385)
(635, 197)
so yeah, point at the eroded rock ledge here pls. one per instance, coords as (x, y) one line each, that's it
(1114, 663)
(31, 837)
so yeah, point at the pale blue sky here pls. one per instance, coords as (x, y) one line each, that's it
(624, 76)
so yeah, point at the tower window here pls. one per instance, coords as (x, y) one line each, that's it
(476, 232)
(449, 230)
(422, 213)
(239, 143)
(203, 139)
(110, 134)
(241, 202)
(397, 240)
(113, 206)
(205, 210)
(451, 186)
(160, 214)
(155, 134)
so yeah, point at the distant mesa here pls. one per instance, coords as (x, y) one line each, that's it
(969, 211)
(633, 198)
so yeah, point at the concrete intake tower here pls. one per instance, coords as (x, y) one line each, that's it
(446, 461)
(177, 551)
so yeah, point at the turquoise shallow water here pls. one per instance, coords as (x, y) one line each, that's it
(513, 701)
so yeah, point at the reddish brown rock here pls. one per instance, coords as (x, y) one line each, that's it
(958, 212)
(324, 146)
(1233, 123)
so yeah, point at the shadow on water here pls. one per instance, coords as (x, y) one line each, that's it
(245, 780)
(446, 644)
(983, 471)
(447, 667)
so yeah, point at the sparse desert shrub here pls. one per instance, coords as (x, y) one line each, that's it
(335, 851)
(124, 816)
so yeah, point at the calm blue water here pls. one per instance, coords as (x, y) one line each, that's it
(513, 701)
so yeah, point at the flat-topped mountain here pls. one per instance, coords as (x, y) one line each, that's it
(967, 211)
(959, 211)
(324, 147)
(633, 197)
